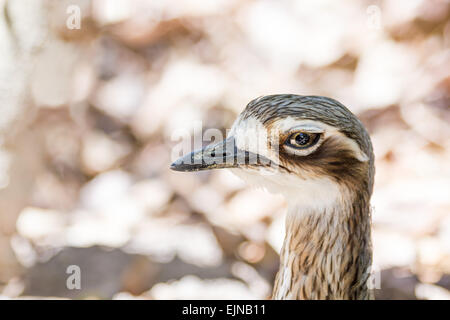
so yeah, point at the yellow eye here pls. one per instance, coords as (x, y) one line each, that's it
(302, 140)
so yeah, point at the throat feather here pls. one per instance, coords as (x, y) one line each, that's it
(326, 254)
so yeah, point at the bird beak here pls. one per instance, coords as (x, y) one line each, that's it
(221, 155)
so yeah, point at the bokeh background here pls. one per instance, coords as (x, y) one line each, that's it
(87, 118)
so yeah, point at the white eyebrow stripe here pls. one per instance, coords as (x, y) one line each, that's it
(308, 128)
(251, 134)
(352, 145)
(290, 123)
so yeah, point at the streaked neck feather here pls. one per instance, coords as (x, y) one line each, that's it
(327, 253)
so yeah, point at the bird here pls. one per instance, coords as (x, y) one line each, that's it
(319, 156)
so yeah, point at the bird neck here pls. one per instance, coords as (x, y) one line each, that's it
(327, 253)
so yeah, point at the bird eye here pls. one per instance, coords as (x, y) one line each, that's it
(302, 140)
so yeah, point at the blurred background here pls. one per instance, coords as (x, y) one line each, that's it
(91, 93)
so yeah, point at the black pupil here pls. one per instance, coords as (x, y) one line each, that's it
(302, 138)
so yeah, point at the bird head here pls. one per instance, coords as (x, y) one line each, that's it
(311, 149)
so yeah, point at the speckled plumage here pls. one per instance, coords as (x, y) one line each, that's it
(327, 255)
(327, 252)
(272, 107)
